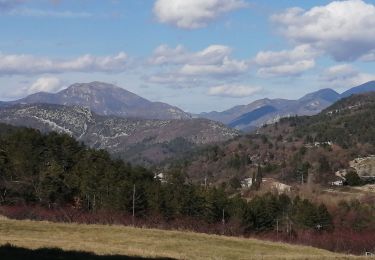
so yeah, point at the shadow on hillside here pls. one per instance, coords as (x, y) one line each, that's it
(9, 252)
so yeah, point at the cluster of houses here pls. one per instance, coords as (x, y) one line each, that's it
(319, 144)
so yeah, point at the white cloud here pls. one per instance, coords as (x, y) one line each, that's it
(343, 29)
(166, 55)
(368, 57)
(344, 75)
(235, 91)
(46, 84)
(29, 64)
(192, 14)
(215, 60)
(213, 54)
(227, 67)
(285, 63)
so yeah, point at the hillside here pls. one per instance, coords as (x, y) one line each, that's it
(127, 241)
(138, 140)
(366, 87)
(347, 122)
(248, 117)
(107, 99)
(312, 148)
(53, 177)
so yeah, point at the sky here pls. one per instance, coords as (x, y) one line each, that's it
(199, 55)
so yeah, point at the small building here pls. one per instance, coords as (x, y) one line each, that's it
(161, 177)
(337, 183)
(273, 184)
(246, 183)
(318, 144)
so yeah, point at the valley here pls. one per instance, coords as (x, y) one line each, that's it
(140, 141)
(280, 175)
(187, 129)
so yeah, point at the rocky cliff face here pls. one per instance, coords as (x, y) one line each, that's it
(137, 140)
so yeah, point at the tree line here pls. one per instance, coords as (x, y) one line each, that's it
(53, 170)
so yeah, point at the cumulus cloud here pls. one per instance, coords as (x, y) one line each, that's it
(343, 29)
(287, 62)
(192, 14)
(28, 64)
(235, 91)
(166, 55)
(227, 67)
(215, 60)
(46, 84)
(345, 75)
(213, 54)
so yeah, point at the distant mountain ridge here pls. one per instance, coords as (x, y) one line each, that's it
(253, 115)
(258, 113)
(366, 87)
(139, 141)
(107, 99)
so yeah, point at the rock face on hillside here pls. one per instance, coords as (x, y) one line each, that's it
(137, 140)
(107, 99)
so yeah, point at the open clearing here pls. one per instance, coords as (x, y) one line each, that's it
(119, 240)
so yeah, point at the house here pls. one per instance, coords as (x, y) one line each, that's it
(161, 177)
(268, 183)
(246, 183)
(337, 183)
(273, 184)
(318, 144)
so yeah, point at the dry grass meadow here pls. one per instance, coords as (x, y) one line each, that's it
(119, 240)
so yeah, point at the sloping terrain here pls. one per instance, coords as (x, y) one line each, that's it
(366, 87)
(138, 140)
(308, 148)
(254, 115)
(107, 99)
(241, 117)
(117, 240)
(347, 122)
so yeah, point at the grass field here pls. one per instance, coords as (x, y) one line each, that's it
(128, 241)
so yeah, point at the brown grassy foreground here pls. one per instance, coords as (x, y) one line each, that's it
(119, 240)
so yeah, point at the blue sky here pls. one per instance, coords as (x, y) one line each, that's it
(200, 55)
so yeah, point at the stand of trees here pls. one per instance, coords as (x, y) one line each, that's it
(54, 170)
(53, 177)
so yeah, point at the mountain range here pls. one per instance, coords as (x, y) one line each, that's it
(266, 111)
(107, 99)
(141, 141)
